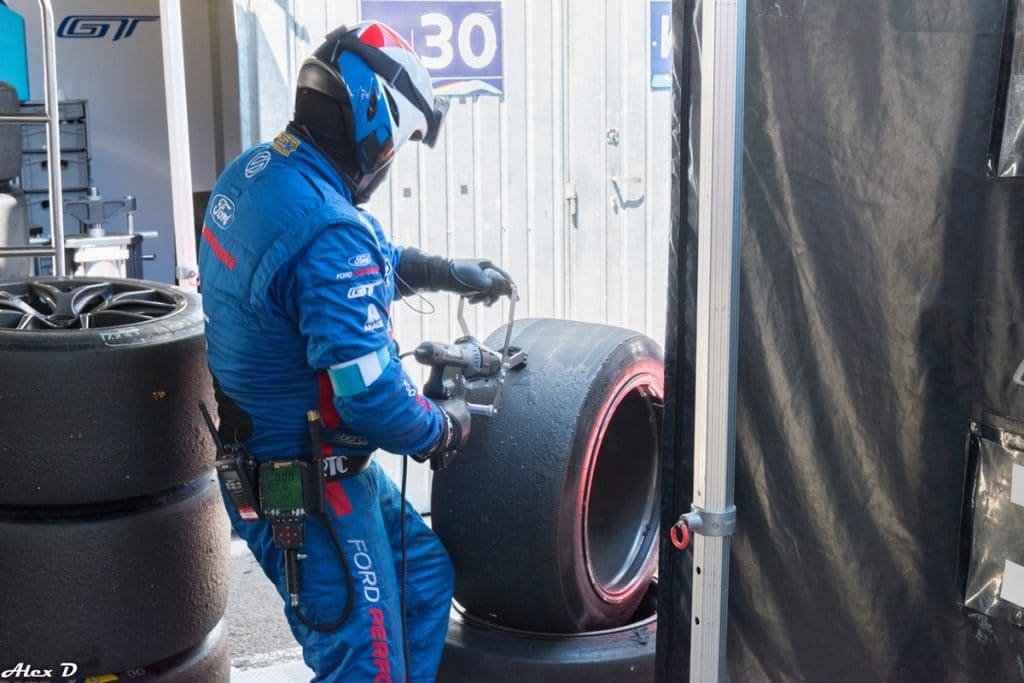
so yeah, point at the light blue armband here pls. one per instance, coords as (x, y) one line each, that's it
(355, 376)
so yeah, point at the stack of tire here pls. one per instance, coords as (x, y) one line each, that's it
(113, 540)
(550, 514)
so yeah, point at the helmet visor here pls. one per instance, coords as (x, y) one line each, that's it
(398, 78)
(440, 110)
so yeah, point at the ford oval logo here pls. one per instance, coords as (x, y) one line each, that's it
(360, 260)
(222, 211)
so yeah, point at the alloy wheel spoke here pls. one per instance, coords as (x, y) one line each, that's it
(74, 304)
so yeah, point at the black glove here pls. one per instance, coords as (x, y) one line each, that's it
(478, 277)
(484, 281)
(455, 433)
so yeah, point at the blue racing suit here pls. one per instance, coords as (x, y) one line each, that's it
(296, 284)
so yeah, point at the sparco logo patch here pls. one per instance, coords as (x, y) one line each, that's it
(360, 260)
(349, 439)
(258, 162)
(222, 211)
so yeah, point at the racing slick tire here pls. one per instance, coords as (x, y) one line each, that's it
(479, 652)
(210, 660)
(550, 512)
(114, 589)
(100, 381)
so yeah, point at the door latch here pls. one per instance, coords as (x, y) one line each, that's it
(573, 201)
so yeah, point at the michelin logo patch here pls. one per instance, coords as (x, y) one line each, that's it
(360, 260)
(222, 211)
(257, 163)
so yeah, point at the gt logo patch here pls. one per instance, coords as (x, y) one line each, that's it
(360, 291)
(222, 211)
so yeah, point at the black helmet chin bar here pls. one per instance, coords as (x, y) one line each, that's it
(318, 75)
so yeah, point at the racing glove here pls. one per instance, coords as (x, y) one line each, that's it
(454, 434)
(480, 278)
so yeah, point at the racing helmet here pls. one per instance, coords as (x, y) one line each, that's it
(383, 92)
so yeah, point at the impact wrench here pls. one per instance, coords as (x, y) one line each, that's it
(468, 366)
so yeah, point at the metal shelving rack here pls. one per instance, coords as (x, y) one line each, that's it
(51, 120)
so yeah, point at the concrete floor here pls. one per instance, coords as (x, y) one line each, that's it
(261, 644)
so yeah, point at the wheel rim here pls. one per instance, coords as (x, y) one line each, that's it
(70, 304)
(620, 516)
(645, 614)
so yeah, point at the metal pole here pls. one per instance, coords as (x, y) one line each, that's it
(52, 107)
(26, 251)
(23, 118)
(178, 142)
(723, 37)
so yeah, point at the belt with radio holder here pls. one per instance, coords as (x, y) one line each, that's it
(242, 475)
(284, 493)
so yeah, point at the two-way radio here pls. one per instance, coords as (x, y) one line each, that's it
(236, 470)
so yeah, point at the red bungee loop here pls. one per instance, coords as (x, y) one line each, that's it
(680, 535)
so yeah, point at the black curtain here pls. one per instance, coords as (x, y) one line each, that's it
(872, 237)
(680, 349)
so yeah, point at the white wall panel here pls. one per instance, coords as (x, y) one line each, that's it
(128, 153)
(495, 184)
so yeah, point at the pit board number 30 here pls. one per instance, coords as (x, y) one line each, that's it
(441, 52)
(459, 42)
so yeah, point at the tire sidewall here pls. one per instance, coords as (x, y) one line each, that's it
(81, 588)
(476, 650)
(525, 474)
(635, 366)
(88, 392)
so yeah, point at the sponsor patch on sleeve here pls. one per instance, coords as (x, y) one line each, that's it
(285, 143)
(222, 211)
(374, 320)
(363, 290)
(257, 162)
(360, 260)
